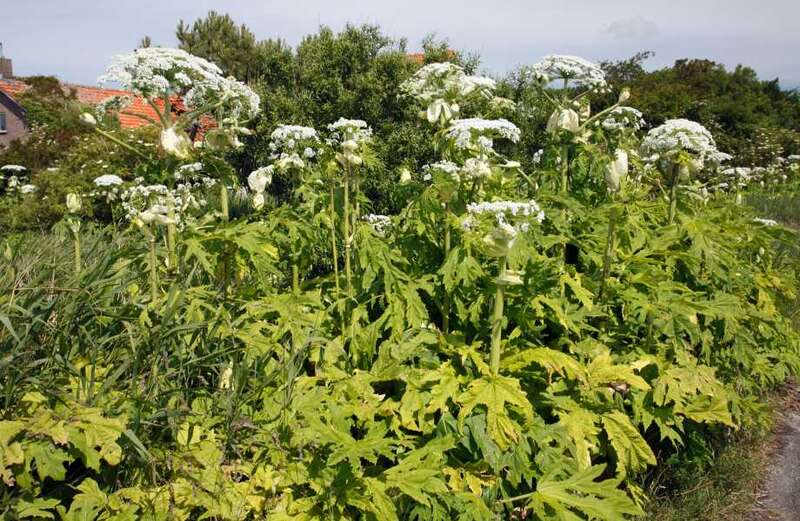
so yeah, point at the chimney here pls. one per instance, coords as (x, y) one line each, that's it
(6, 70)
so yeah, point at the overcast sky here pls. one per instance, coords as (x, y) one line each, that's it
(73, 39)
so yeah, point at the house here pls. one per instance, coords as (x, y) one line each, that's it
(12, 120)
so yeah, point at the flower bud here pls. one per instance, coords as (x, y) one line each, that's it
(563, 119)
(405, 176)
(350, 145)
(258, 200)
(624, 96)
(88, 119)
(616, 170)
(73, 203)
(175, 144)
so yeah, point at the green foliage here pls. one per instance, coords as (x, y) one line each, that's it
(294, 361)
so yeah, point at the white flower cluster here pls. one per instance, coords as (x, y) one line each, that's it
(476, 132)
(188, 171)
(235, 99)
(153, 71)
(108, 180)
(446, 167)
(510, 218)
(380, 223)
(442, 86)
(108, 186)
(355, 129)
(350, 135)
(677, 135)
(110, 104)
(445, 81)
(573, 69)
(289, 142)
(258, 181)
(502, 210)
(622, 118)
(145, 204)
(16, 182)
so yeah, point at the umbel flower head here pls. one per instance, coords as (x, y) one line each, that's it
(476, 133)
(13, 168)
(351, 135)
(678, 135)
(505, 220)
(292, 145)
(442, 87)
(107, 180)
(153, 71)
(230, 97)
(572, 69)
(622, 118)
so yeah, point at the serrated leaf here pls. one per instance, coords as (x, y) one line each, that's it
(633, 452)
(494, 392)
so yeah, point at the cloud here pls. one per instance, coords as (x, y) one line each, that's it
(634, 28)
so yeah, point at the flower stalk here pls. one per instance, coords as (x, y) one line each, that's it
(673, 194)
(497, 317)
(77, 242)
(153, 261)
(446, 297)
(612, 224)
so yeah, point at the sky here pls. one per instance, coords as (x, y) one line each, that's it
(74, 39)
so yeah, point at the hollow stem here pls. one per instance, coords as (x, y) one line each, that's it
(612, 223)
(172, 231)
(673, 194)
(77, 241)
(497, 318)
(446, 298)
(153, 260)
(223, 201)
(347, 238)
(334, 247)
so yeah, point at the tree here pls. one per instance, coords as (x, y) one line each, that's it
(218, 39)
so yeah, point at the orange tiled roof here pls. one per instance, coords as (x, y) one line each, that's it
(417, 57)
(12, 87)
(133, 115)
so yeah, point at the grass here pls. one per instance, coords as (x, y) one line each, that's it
(729, 488)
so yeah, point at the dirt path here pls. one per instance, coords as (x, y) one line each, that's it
(779, 498)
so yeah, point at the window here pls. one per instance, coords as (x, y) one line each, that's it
(2, 122)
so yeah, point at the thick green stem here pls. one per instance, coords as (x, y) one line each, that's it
(446, 298)
(295, 279)
(612, 223)
(673, 195)
(497, 319)
(153, 260)
(223, 200)
(172, 231)
(347, 238)
(78, 262)
(564, 168)
(334, 247)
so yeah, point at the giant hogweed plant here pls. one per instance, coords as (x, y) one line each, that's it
(307, 360)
